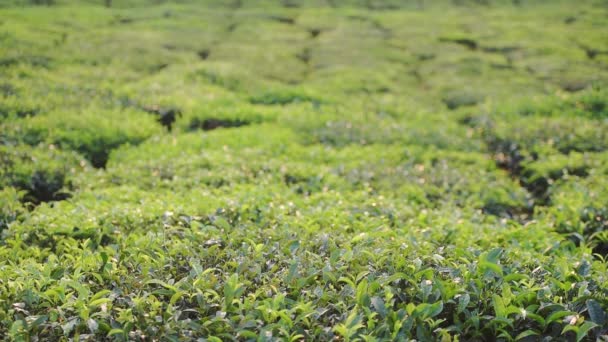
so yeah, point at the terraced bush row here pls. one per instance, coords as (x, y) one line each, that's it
(555, 148)
(220, 264)
(44, 174)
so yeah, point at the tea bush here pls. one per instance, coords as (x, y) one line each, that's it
(43, 173)
(94, 134)
(303, 170)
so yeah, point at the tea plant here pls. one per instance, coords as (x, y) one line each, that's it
(303, 170)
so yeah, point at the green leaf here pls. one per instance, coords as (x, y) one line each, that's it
(557, 315)
(221, 223)
(410, 308)
(242, 333)
(232, 290)
(293, 246)
(361, 294)
(494, 255)
(347, 281)
(502, 321)
(463, 301)
(176, 296)
(569, 328)
(584, 329)
(350, 326)
(499, 306)
(115, 332)
(57, 273)
(515, 277)
(539, 319)
(17, 330)
(379, 306)
(435, 309)
(425, 310)
(37, 321)
(483, 266)
(99, 302)
(584, 268)
(163, 284)
(100, 294)
(104, 261)
(525, 334)
(596, 313)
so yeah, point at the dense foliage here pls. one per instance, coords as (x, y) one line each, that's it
(303, 170)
